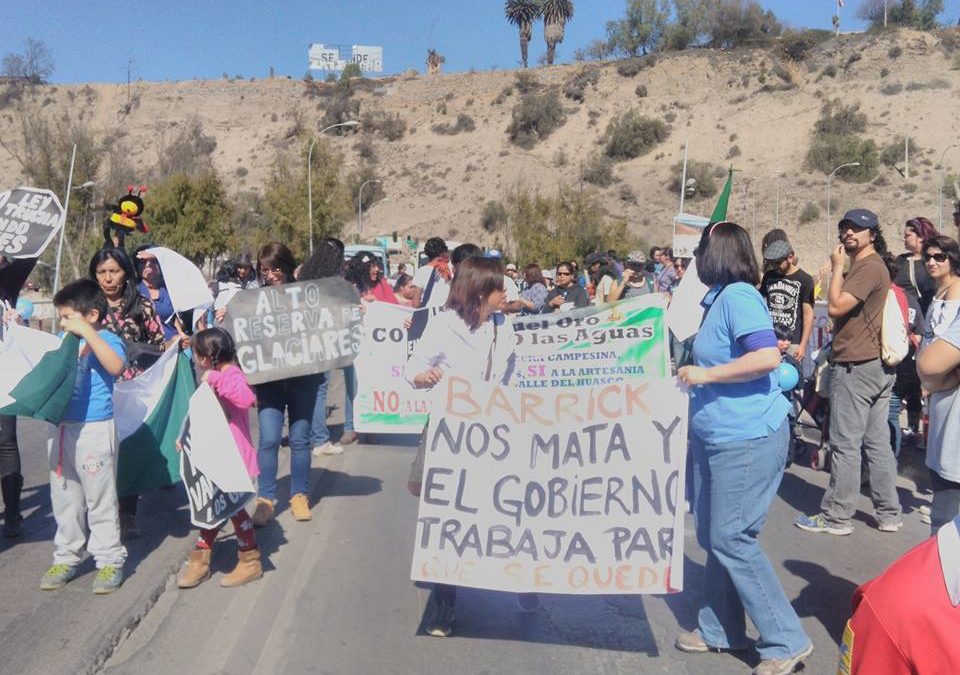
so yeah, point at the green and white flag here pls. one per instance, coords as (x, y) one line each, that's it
(150, 410)
(37, 373)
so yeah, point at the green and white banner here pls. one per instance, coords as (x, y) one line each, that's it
(587, 347)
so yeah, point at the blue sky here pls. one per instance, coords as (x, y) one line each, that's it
(93, 40)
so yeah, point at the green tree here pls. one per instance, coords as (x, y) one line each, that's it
(191, 215)
(688, 25)
(734, 23)
(908, 13)
(522, 14)
(285, 199)
(641, 29)
(556, 14)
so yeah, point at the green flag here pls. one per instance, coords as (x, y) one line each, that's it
(44, 393)
(720, 210)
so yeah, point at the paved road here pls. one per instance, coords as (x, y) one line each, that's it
(336, 597)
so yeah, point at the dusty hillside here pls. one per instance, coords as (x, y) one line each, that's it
(716, 100)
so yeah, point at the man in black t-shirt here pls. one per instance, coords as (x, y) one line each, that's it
(789, 294)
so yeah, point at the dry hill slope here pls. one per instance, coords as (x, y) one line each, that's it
(717, 100)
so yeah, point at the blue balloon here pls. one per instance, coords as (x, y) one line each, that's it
(789, 377)
(24, 308)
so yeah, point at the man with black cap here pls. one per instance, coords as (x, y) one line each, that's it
(789, 293)
(860, 383)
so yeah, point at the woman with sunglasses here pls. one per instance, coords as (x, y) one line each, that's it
(295, 396)
(567, 293)
(739, 433)
(937, 366)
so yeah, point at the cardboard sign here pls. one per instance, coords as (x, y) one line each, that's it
(29, 218)
(562, 490)
(584, 347)
(295, 329)
(210, 507)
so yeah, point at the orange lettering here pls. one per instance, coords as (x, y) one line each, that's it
(564, 405)
(538, 578)
(623, 582)
(499, 401)
(635, 398)
(458, 389)
(529, 404)
(578, 571)
(602, 398)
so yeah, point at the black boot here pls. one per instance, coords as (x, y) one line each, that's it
(12, 484)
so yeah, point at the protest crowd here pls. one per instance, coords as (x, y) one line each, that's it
(752, 366)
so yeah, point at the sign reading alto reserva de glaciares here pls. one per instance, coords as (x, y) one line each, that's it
(585, 347)
(560, 490)
(29, 218)
(295, 329)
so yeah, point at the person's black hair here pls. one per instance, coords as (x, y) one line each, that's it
(357, 271)
(879, 243)
(215, 344)
(333, 241)
(131, 305)
(654, 249)
(228, 272)
(949, 246)
(464, 251)
(278, 256)
(326, 261)
(434, 246)
(725, 255)
(82, 295)
(890, 260)
(782, 332)
(401, 281)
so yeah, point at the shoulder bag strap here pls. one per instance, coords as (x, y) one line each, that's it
(493, 346)
(425, 298)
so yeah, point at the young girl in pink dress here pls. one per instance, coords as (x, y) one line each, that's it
(216, 356)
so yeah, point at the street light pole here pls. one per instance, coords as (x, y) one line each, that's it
(360, 206)
(63, 227)
(830, 178)
(348, 123)
(943, 177)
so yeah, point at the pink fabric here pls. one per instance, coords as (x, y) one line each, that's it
(237, 398)
(383, 292)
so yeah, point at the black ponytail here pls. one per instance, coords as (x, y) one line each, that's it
(215, 344)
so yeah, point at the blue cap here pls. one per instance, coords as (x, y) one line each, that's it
(861, 218)
(493, 253)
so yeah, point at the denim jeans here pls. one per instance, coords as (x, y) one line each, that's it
(734, 484)
(321, 433)
(859, 418)
(893, 421)
(297, 397)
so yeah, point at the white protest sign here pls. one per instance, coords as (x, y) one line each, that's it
(184, 280)
(574, 490)
(685, 311)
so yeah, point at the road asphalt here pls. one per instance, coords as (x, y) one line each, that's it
(336, 596)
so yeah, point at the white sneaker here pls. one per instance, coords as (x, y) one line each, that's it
(327, 448)
(890, 527)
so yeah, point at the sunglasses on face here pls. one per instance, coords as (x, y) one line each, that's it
(939, 257)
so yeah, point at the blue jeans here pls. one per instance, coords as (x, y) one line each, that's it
(320, 433)
(297, 397)
(893, 420)
(734, 484)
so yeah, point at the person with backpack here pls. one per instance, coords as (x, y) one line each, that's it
(860, 381)
(433, 279)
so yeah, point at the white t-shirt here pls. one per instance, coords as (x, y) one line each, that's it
(441, 287)
(449, 344)
(510, 288)
(943, 435)
(940, 315)
(603, 290)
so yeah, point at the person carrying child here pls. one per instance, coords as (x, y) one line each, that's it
(83, 451)
(215, 354)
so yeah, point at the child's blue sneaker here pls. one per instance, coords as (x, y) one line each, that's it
(57, 577)
(108, 579)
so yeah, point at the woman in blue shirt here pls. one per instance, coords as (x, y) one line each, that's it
(738, 440)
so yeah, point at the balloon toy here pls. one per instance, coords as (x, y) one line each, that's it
(24, 308)
(789, 377)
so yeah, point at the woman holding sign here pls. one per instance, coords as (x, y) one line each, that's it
(471, 339)
(296, 396)
(739, 434)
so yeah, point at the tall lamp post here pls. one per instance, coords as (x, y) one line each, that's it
(349, 123)
(943, 177)
(360, 205)
(829, 179)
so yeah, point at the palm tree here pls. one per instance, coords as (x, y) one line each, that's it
(555, 14)
(523, 13)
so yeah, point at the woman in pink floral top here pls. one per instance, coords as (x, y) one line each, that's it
(130, 315)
